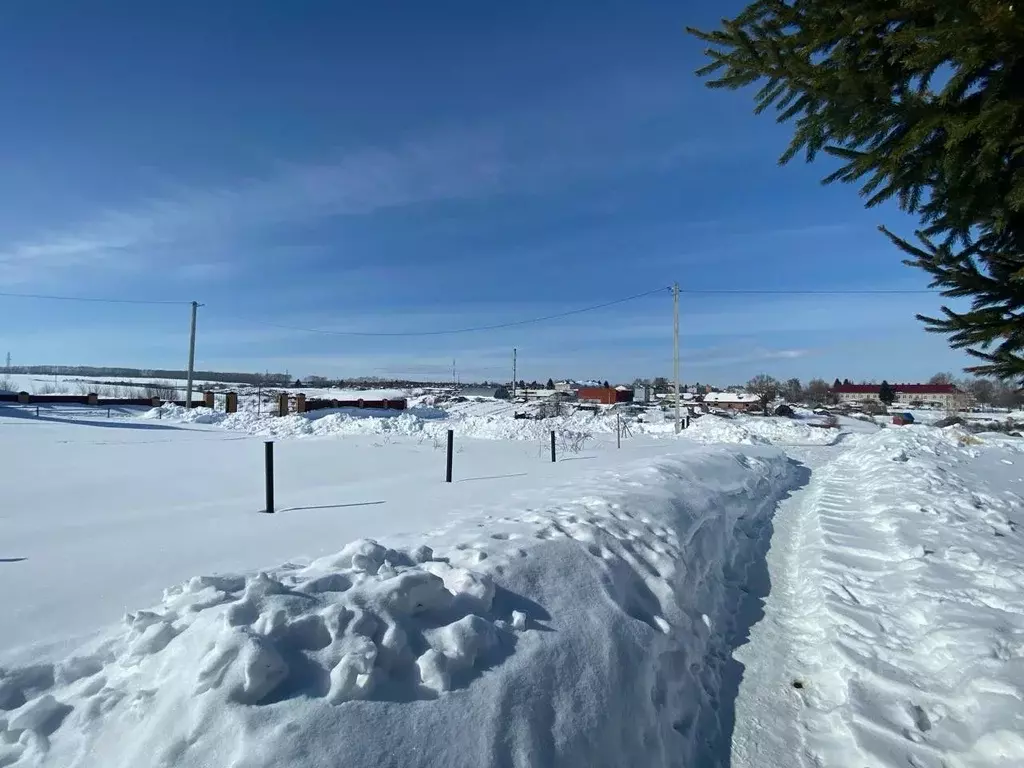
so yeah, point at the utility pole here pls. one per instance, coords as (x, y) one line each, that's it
(8, 362)
(191, 356)
(513, 373)
(675, 357)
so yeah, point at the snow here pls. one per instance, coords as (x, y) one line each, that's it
(897, 607)
(527, 630)
(731, 397)
(751, 592)
(758, 430)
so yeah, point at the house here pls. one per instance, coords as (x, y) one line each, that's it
(606, 395)
(947, 396)
(737, 401)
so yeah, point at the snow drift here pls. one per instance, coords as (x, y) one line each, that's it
(593, 633)
(490, 423)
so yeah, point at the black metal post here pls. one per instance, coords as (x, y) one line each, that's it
(618, 430)
(552, 446)
(268, 455)
(451, 447)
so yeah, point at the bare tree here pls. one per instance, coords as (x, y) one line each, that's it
(765, 387)
(162, 389)
(982, 390)
(818, 392)
(793, 391)
(941, 378)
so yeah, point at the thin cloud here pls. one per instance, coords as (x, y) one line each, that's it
(531, 152)
(355, 183)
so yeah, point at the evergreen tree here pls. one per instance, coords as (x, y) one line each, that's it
(885, 393)
(837, 384)
(921, 101)
(607, 385)
(551, 384)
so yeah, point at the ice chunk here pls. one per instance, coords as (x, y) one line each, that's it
(476, 589)
(415, 591)
(364, 555)
(263, 669)
(464, 640)
(352, 676)
(37, 715)
(433, 669)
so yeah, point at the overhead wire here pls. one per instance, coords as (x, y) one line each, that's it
(496, 326)
(470, 329)
(91, 299)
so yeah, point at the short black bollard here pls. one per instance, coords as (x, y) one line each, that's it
(37, 411)
(552, 446)
(268, 455)
(108, 413)
(451, 447)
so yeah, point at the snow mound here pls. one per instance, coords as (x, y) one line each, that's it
(596, 633)
(420, 420)
(915, 577)
(757, 430)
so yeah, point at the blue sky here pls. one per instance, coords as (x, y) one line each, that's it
(416, 166)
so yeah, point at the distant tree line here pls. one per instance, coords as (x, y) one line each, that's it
(985, 391)
(267, 379)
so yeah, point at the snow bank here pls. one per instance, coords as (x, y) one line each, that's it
(419, 420)
(596, 633)
(491, 421)
(754, 430)
(912, 591)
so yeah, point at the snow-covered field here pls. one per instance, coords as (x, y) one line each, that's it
(754, 592)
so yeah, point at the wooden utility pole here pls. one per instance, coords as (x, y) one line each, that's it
(675, 357)
(513, 373)
(191, 356)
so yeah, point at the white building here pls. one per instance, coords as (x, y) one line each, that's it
(739, 401)
(947, 396)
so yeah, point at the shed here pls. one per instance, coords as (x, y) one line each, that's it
(606, 395)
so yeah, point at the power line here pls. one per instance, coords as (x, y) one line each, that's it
(90, 299)
(808, 292)
(471, 329)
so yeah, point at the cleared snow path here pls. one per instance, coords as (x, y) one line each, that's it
(894, 630)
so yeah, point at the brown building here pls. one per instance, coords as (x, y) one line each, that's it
(605, 395)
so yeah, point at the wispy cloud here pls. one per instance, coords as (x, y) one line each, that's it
(352, 183)
(532, 152)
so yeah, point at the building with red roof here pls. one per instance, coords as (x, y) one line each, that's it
(941, 395)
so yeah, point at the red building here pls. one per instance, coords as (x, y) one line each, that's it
(606, 395)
